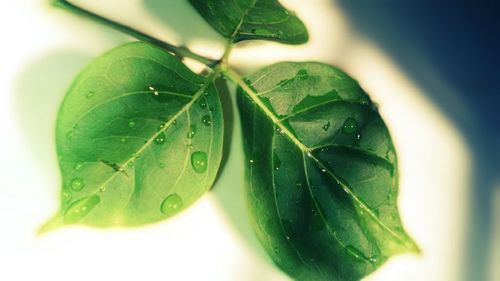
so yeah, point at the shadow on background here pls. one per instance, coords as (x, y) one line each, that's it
(453, 42)
(40, 90)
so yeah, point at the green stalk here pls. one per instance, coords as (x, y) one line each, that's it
(179, 51)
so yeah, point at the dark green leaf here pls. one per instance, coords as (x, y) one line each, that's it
(139, 138)
(321, 172)
(252, 19)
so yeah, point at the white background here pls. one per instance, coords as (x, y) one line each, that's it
(42, 50)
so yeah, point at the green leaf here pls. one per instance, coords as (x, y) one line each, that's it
(322, 179)
(139, 138)
(252, 19)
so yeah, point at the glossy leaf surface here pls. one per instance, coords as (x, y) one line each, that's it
(322, 178)
(139, 138)
(252, 19)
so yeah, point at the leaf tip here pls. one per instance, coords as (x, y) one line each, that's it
(53, 223)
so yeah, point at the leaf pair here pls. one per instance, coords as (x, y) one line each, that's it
(139, 138)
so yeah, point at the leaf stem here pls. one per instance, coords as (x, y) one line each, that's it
(179, 51)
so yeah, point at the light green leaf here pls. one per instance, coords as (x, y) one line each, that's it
(139, 138)
(252, 19)
(322, 179)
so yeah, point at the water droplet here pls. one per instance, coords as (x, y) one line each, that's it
(123, 140)
(280, 131)
(79, 166)
(251, 160)
(390, 194)
(206, 120)
(298, 184)
(66, 197)
(355, 252)
(160, 139)
(162, 125)
(326, 126)
(171, 205)
(206, 93)
(199, 161)
(374, 259)
(90, 95)
(276, 250)
(363, 100)
(161, 165)
(80, 208)
(153, 91)
(70, 135)
(174, 122)
(102, 189)
(350, 126)
(276, 162)
(203, 103)
(131, 123)
(77, 184)
(192, 131)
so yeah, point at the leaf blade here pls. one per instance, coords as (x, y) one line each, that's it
(252, 19)
(125, 135)
(339, 203)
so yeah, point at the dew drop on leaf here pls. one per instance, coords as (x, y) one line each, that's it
(161, 165)
(66, 197)
(153, 90)
(171, 205)
(199, 161)
(79, 166)
(131, 124)
(80, 208)
(206, 120)
(350, 126)
(326, 126)
(192, 131)
(77, 184)
(355, 253)
(160, 139)
(276, 162)
(202, 103)
(374, 259)
(90, 95)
